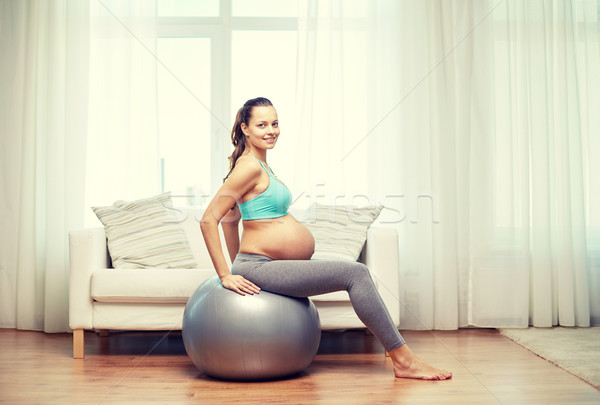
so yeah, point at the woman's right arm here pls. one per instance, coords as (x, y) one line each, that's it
(230, 225)
(241, 180)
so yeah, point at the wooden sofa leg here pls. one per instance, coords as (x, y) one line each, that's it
(78, 344)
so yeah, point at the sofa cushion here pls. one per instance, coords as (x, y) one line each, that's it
(145, 234)
(340, 231)
(147, 285)
(169, 286)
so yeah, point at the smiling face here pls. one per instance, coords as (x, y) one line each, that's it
(262, 130)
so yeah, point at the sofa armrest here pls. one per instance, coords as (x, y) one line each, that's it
(87, 252)
(381, 256)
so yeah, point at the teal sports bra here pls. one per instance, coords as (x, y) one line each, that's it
(271, 203)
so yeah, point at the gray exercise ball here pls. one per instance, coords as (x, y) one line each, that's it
(250, 337)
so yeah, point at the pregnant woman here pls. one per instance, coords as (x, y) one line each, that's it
(275, 250)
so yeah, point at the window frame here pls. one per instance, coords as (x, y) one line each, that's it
(219, 31)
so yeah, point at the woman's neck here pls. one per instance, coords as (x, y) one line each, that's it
(259, 154)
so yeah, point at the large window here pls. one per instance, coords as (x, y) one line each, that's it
(214, 55)
(184, 117)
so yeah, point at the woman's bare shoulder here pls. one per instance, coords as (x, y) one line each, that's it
(246, 159)
(246, 169)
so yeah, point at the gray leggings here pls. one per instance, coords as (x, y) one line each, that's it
(304, 278)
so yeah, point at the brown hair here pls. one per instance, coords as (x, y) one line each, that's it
(238, 139)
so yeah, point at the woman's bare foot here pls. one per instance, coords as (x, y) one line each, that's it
(409, 365)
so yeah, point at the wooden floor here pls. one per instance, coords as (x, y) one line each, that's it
(350, 368)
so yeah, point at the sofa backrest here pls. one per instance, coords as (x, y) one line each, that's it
(191, 224)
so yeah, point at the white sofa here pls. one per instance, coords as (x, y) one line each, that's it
(105, 298)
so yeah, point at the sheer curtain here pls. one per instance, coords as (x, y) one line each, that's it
(78, 128)
(474, 123)
(43, 94)
(123, 160)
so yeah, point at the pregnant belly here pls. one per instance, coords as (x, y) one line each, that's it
(279, 238)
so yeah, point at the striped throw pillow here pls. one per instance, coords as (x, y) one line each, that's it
(145, 234)
(340, 231)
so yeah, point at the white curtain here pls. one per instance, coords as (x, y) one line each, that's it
(476, 123)
(123, 160)
(43, 94)
(78, 128)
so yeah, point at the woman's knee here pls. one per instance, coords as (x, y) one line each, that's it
(358, 266)
(360, 270)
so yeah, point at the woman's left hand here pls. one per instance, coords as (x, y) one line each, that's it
(239, 284)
